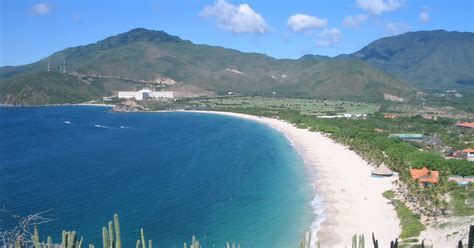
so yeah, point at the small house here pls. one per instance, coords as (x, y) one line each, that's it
(412, 137)
(460, 180)
(453, 153)
(424, 176)
(434, 141)
(468, 154)
(468, 125)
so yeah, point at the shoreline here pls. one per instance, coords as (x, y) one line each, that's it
(351, 198)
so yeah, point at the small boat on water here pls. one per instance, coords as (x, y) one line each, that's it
(67, 122)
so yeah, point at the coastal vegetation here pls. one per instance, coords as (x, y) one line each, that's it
(463, 200)
(410, 223)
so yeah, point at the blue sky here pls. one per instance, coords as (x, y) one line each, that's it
(31, 30)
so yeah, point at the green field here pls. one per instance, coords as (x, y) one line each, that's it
(303, 106)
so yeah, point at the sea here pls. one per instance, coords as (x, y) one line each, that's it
(174, 174)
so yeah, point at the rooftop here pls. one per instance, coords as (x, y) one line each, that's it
(406, 135)
(424, 175)
(466, 124)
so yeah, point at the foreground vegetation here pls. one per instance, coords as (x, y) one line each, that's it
(26, 234)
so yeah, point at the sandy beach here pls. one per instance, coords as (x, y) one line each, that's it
(352, 199)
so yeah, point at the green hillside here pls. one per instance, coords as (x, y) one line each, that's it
(47, 88)
(151, 56)
(430, 60)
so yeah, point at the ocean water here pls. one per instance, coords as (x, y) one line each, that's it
(174, 174)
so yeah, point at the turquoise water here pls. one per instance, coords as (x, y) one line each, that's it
(174, 174)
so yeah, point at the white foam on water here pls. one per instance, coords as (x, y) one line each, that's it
(102, 126)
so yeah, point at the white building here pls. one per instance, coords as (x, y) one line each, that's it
(145, 94)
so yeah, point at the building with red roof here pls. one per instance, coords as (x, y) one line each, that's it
(466, 124)
(468, 153)
(425, 176)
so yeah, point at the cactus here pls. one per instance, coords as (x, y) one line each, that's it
(63, 239)
(143, 238)
(470, 239)
(306, 240)
(80, 243)
(105, 237)
(374, 241)
(111, 235)
(17, 244)
(361, 241)
(36, 240)
(194, 243)
(71, 239)
(234, 245)
(117, 232)
(49, 242)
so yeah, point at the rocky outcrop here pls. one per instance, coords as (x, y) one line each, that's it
(128, 106)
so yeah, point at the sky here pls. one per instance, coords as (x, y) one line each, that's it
(32, 30)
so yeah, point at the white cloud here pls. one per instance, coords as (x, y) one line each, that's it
(329, 37)
(354, 21)
(41, 9)
(424, 16)
(236, 19)
(376, 7)
(395, 28)
(301, 22)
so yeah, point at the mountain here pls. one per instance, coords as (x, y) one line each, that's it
(141, 57)
(430, 60)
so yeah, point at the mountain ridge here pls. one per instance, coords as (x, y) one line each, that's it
(429, 60)
(151, 56)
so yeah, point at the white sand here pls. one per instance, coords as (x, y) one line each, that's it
(353, 201)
